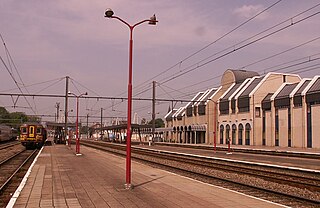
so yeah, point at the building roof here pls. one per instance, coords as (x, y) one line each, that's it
(267, 98)
(301, 86)
(266, 78)
(179, 112)
(315, 87)
(230, 91)
(241, 75)
(251, 86)
(286, 90)
(170, 114)
(310, 85)
(206, 96)
(195, 98)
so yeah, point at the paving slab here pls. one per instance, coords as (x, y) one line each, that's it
(59, 178)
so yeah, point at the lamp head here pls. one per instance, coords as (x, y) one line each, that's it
(109, 13)
(153, 20)
(69, 93)
(86, 93)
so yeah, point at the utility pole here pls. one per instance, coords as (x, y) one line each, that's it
(58, 109)
(101, 124)
(153, 108)
(87, 125)
(66, 109)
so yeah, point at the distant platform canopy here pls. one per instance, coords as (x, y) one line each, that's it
(124, 126)
(54, 124)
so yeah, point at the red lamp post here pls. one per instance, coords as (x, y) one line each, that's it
(152, 21)
(215, 127)
(77, 122)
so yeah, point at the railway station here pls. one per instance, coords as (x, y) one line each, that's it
(209, 104)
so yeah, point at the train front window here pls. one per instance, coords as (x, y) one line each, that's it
(23, 130)
(38, 130)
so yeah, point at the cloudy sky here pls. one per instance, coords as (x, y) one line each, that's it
(188, 50)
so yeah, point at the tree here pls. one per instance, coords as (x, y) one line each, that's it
(15, 119)
(4, 115)
(158, 123)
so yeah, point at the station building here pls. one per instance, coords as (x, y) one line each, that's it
(276, 109)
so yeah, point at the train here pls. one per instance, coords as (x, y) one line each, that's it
(7, 133)
(33, 135)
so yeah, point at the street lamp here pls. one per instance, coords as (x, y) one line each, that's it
(152, 21)
(77, 123)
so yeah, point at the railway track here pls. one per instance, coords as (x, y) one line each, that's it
(288, 186)
(13, 169)
(8, 144)
(244, 150)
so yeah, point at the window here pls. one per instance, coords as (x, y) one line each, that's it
(289, 127)
(23, 130)
(248, 130)
(227, 134)
(257, 111)
(234, 130)
(244, 104)
(38, 130)
(277, 128)
(224, 107)
(233, 105)
(201, 109)
(240, 132)
(189, 111)
(221, 134)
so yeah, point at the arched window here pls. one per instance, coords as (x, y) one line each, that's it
(234, 130)
(221, 134)
(227, 133)
(248, 130)
(240, 133)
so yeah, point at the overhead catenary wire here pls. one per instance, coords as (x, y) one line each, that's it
(302, 69)
(200, 64)
(233, 49)
(210, 44)
(10, 61)
(35, 84)
(304, 60)
(14, 80)
(280, 53)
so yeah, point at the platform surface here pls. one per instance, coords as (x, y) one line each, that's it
(59, 178)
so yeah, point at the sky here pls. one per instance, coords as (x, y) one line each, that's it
(188, 50)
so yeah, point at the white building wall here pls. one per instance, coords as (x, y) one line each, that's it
(315, 109)
(283, 127)
(269, 132)
(297, 127)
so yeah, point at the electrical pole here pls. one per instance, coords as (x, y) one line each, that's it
(66, 109)
(87, 125)
(58, 109)
(153, 108)
(101, 124)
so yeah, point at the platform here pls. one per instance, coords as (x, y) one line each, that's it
(59, 178)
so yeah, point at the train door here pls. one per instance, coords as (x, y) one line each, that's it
(31, 131)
